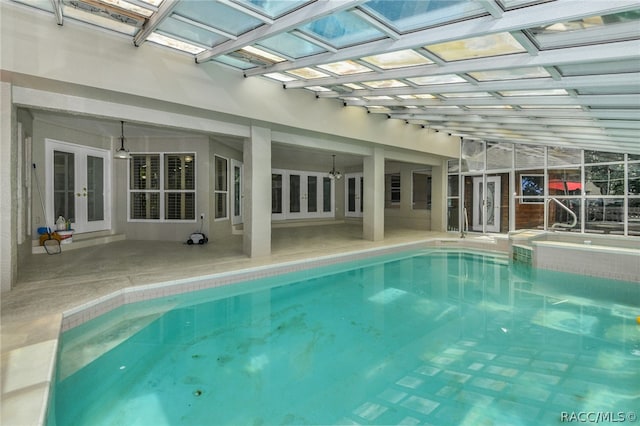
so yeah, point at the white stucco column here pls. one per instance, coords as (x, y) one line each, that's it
(257, 190)
(8, 247)
(373, 214)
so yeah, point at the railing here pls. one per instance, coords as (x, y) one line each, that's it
(560, 224)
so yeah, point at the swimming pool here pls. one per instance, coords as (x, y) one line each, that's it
(426, 336)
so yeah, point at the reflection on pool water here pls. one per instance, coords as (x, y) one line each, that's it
(424, 337)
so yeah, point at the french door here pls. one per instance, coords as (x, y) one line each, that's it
(353, 194)
(486, 204)
(298, 195)
(78, 185)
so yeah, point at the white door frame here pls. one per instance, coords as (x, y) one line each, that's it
(81, 152)
(357, 196)
(486, 204)
(237, 218)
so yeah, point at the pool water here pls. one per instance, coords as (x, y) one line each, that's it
(439, 338)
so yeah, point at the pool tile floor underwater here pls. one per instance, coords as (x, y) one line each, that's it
(499, 390)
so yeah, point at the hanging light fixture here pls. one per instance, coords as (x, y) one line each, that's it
(334, 174)
(122, 152)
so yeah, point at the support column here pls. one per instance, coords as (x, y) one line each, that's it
(8, 244)
(257, 189)
(373, 214)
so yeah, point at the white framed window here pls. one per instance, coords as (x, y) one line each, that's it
(392, 190)
(221, 187)
(162, 187)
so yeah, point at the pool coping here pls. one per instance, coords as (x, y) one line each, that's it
(24, 385)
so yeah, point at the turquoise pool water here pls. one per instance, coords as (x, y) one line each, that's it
(440, 338)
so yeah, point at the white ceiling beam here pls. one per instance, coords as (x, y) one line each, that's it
(515, 20)
(492, 7)
(622, 101)
(289, 22)
(629, 82)
(165, 9)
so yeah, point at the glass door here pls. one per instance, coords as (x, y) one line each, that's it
(236, 192)
(486, 204)
(353, 194)
(77, 182)
(301, 195)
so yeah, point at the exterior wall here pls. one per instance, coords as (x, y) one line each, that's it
(404, 215)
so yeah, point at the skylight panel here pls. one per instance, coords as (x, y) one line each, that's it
(342, 29)
(548, 107)
(404, 16)
(155, 3)
(125, 5)
(280, 77)
(308, 73)
(384, 84)
(477, 47)
(235, 62)
(510, 74)
(218, 15)
(174, 43)
(437, 79)
(378, 98)
(399, 59)
(466, 95)
(418, 96)
(354, 86)
(273, 8)
(345, 68)
(548, 92)
(488, 106)
(515, 4)
(185, 31)
(128, 27)
(263, 54)
(291, 46)
(318, 88)
(591, 30)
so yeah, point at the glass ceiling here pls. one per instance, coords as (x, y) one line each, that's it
(463, 67)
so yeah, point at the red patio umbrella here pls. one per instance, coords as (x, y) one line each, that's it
(562, 185)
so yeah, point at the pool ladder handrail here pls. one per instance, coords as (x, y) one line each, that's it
(560, 224)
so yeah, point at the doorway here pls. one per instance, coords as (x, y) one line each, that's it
(237, 195)
(486, 204)
(353, 194)
(78, 185)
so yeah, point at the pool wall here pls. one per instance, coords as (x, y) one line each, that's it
(602, 256)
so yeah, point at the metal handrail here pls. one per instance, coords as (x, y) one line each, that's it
(563, 225)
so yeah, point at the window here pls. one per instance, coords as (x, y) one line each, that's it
(162, 187)
(392, 190)
(532, 188)
(220, 187)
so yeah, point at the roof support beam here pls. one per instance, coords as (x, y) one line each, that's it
(57, 11)
(164, 10)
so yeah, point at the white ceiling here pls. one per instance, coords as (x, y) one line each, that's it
(558, 73)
